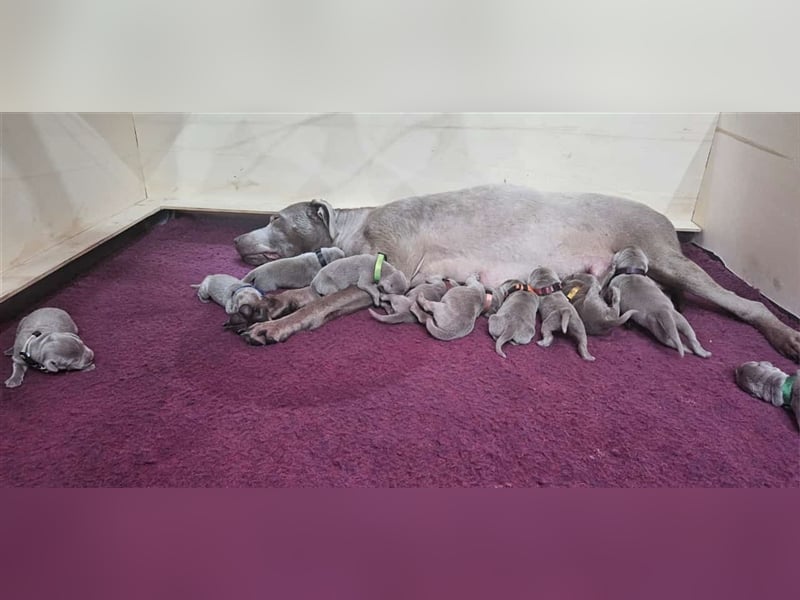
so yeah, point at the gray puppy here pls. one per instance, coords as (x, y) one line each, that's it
(294, 272)
(369, 272)
(556, 311)
(404, 308)
(47, 340)
(454, 315)
(769, 383)
(583, 290)
(515, 320)
(229, 292)
(654, 310)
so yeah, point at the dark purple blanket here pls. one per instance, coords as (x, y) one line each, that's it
(177, 401)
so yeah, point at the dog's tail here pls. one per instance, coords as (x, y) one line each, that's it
(195, 285)
(501, 341)
(565, 315)
(397, 317)
(497, 331)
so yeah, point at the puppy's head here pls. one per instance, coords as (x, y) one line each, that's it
(393, 283)
(630, 257)
(64, 352)
(542, 277)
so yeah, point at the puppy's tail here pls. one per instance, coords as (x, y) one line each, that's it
(9, 352)
(195, 285)
(498, 346)
(565, 315)
(398, 317)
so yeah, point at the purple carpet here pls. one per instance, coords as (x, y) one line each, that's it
(177, 401)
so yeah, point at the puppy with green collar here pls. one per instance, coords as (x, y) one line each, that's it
(47, 340)
(767, 382)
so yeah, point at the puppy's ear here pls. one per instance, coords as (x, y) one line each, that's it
(325, 213)
(246, 311)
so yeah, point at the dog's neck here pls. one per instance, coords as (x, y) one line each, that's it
(31, 351)
(349, 228)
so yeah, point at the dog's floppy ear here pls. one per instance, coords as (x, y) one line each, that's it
(246, 311)
(325, 213)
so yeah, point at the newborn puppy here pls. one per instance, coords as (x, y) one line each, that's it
(769, 383)
(404, 308)
(454, 316)
(515, 321)
(654, 310)
(47, 340)
(369, 272)
(227, 291)
(293, 272)
(556, 311)
(583, 290)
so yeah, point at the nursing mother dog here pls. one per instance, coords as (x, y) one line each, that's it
(498, 231)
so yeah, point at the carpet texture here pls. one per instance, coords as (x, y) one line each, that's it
(177, 401)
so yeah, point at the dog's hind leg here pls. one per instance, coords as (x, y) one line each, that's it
(310, 316)
(549, 325)
(672, 269)
(692, 344)
(663, 327)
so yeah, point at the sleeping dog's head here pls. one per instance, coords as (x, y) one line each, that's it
(298, 228)
(61, 351)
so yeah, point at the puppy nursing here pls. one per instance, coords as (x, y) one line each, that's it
(404, 308)
(515, 321)
(583, 290)
(654, 310)
(556, 311)
(454, 316)
(47, 340)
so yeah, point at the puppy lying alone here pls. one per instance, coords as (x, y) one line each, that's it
(583, 290)
(515, 320)
(404, 308)
(47, 340)
(769, 383)
(368, 272)
(294, 272)
(227, 291)
(556, 311)
(454, 316)
(654, 310)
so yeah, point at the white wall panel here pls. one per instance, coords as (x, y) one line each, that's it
(749, 202)
(263, 162)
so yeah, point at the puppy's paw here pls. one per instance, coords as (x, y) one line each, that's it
(13, 382)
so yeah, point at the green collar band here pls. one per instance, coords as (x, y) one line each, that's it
(376, 274)
(787, 390)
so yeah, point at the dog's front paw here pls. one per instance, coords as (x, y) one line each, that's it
(260, 334)
(785, 340)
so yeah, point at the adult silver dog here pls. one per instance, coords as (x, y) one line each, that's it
(499, 231)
